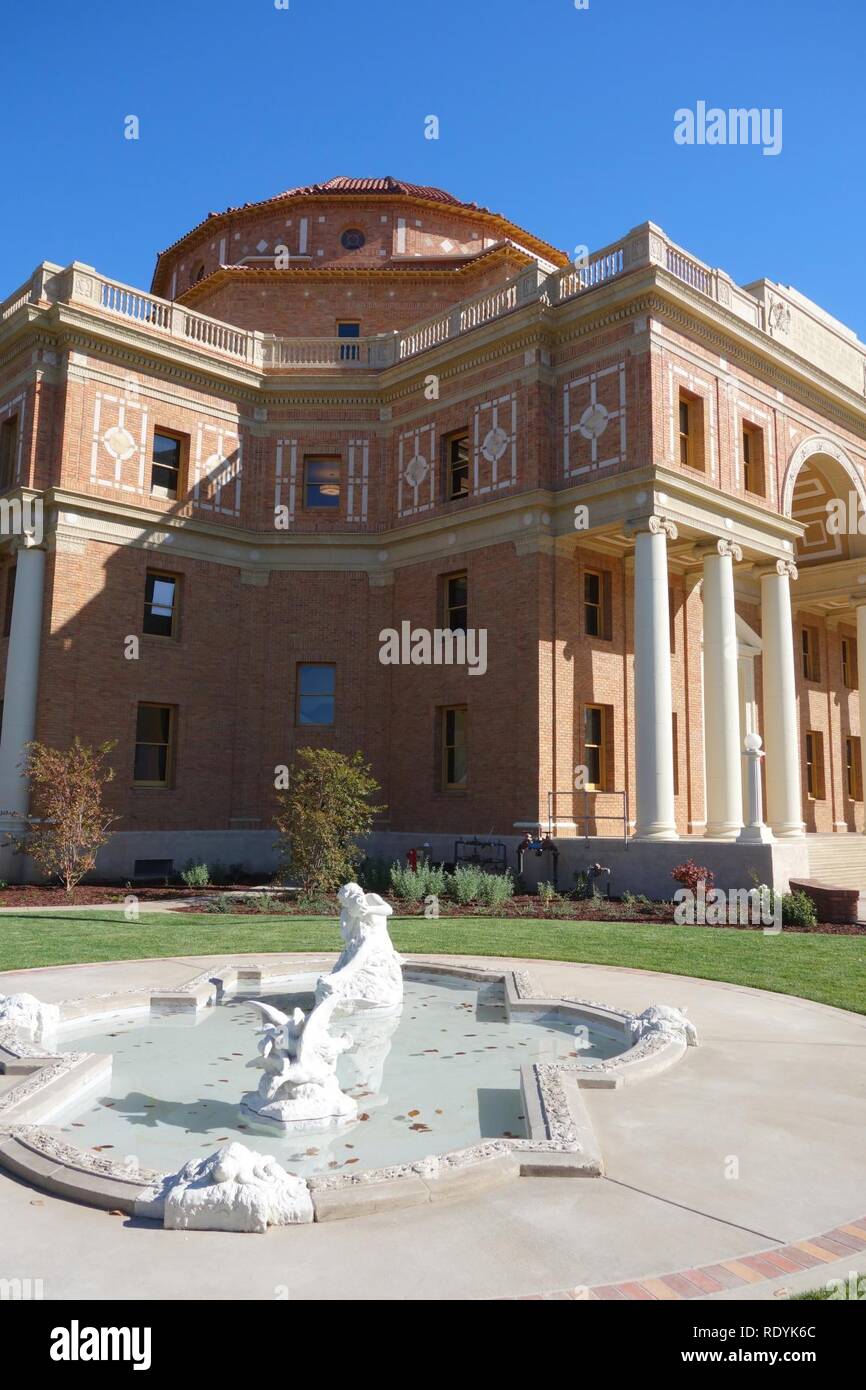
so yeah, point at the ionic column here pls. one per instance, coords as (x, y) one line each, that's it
(22, 679)
(721, 694)
(654, 754)
(861, 676)
(781, 727)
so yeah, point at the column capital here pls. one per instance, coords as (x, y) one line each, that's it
(656, 525)
(721, 547)
(785, 569)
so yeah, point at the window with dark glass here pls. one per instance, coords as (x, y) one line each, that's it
(8, 450)
(815, 765)
(596, 604)
(321, 483)
(165, 468)
(853, 769)
(457, 465)
(353, 239)
(454, 747)
(456, 602)
(154, 737)
(160, 604)
(9, 601)
(691, 430)
(753, 460)
(850, 677)
(316, 690)
(810, 654)
(349, 328)
(594, 746)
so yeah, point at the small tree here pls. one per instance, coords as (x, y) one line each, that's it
(321, 815)
(69, 822)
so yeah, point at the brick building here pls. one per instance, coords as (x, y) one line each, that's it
(364, 404)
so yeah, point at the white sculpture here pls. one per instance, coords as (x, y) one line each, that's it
(368, 974)
(28, 1016)
(660, 1018)
(235, 1190)
(298, 1056)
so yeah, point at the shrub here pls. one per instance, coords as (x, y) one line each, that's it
(196, 875)
(221, 903)
(464, 885)
(321, 814)
(413, 885)
(582, 887)
(798, 910)
(496, 889)
(70, 822)
(262, 902)
(691, 874)
(548, 894)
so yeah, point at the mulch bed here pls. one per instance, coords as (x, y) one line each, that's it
(567, 910)
(85, 895)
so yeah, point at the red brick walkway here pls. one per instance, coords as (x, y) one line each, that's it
(731, 1274)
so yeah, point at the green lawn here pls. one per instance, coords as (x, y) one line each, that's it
(830, 969)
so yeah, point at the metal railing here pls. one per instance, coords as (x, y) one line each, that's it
(588, 816)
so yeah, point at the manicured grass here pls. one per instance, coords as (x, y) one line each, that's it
(830, 969)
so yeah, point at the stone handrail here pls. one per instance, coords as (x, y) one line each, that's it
(643, 247)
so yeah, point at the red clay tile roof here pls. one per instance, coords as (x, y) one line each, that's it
(388, 187)
(343, 184)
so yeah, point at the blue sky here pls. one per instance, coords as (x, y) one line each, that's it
(561, 119)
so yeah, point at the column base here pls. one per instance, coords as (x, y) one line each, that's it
(728, 830)
(789, 830)
(657, 831)
(755, 835)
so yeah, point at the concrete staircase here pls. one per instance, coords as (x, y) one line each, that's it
(838, 860)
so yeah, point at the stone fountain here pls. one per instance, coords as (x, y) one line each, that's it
(298, 1053)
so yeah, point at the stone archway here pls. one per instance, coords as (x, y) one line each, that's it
(819, 444)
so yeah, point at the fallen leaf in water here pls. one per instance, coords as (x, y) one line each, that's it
(425, 1129)
(413, 1113)
(351, 1160)
(439, 1112)
(98, 1148)
(364, 1116)
(311, 1153)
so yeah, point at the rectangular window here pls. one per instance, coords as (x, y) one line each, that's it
(316, 694)
(10, 600)
(810, 654)
(456, 449)
(850, 678)
(853, 769)
(454, 750)
(691, 430)
(753, 460)
(596, 604)
(321, 483)
(594, 741)
(349, 328)
(166, 465)
(456, 605)
(815, 765)
(8, 450)
(160, 604)
(154, 745)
